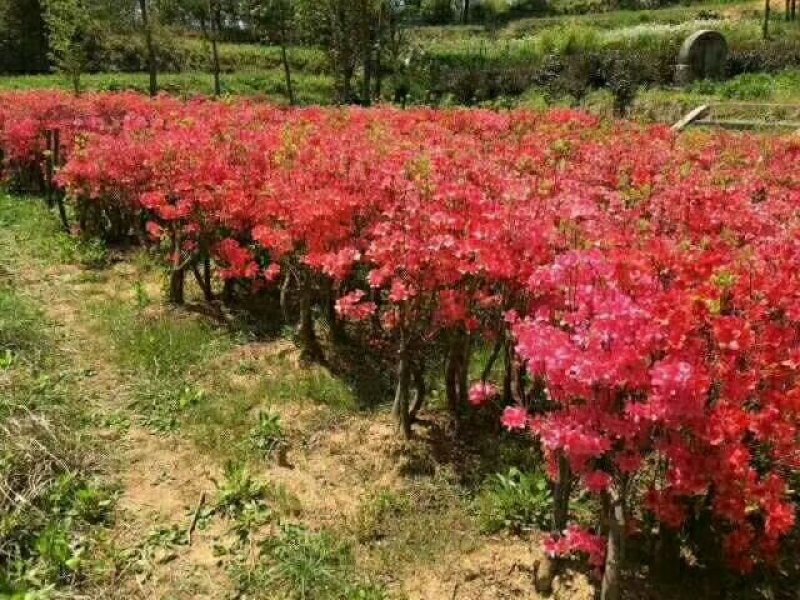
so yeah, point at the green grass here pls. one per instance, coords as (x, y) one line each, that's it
(227, 422)
(771, 87)
(670, 104)
(302, 59)
(309, 88)
(22, 332)
(163, 345)
(182, 379)
(163, 353)
(27, 226)
(299, 564)
(414, 527)
(570, 36)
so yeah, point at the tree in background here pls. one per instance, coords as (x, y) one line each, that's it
(357, 35)
(331, 24)
(208, 16)
(275, 21)
(68, 23)
(146, 14)
(23, 37)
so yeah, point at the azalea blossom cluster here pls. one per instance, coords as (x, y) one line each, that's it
(643, 289)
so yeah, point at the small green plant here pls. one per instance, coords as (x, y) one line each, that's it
(159, 547)
(161, 408)
(46, 544)
(78, 500)
(142, 298)
(267, 437)
(7, 359)
(58, 554)
(514, 501)
(243, 500)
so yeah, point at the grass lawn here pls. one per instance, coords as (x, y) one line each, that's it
(309, 88)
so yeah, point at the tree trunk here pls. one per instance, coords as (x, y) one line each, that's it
(76, 82)
(766, 19)
(517, 383)
(453, 375)
(465, 14)
(217, 27)
(49, 168)
(347, 85)
(378, 70)
(400, 410)
(508, 360)
(204, 278)
(151, 51)
(310, 350)
(615, 551)
(420, 392)
(667, 559)
(463, 381)
(366, 88)
(284, 296)
(487, 369)
(176, 286)
(337, 333)
(56, 162)
(177, 273)
(228, 291)
(546, 570)
(561, 493)
(209, 292)
(287, 71)
(457, 373)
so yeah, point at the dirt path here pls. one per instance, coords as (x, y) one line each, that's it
(161, 478)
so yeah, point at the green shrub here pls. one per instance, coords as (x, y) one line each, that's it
(756, 56)
(514, 501)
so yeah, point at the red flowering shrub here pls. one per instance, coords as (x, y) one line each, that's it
(642, 290)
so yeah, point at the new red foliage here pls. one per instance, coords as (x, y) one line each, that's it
(650, 283)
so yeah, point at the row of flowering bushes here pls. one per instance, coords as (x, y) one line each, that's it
(641, 290)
